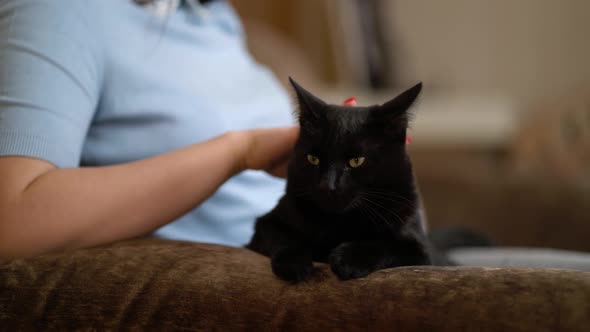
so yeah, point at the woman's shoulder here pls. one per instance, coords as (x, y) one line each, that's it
(66, 6)
(87, 23)
(68, 17)
(64, 14)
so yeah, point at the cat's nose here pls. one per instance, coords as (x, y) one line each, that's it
(328, 182)
(327, 186)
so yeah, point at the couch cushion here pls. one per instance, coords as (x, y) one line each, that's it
(165, 285)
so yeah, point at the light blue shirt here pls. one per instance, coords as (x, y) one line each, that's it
(102, 82)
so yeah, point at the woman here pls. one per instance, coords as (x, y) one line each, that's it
(118, 119)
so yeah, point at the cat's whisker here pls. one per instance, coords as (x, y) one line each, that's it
(391, 199)
(385, 209)
(381, 222)
(397, 216)
(368, 211)
(355, 204)
(376, 211)
(388, 194)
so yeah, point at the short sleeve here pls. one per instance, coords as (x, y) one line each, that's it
(50, 78)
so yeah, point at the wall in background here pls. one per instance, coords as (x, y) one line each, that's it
(526, 49)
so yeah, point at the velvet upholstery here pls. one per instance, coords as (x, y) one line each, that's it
(164, 285)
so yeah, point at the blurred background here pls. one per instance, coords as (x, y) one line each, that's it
(501, 137)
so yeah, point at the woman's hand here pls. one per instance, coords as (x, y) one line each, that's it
(266, 149)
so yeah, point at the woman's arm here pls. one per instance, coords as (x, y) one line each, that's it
(43, 208)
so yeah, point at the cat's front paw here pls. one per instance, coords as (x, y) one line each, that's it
(352, 260)
(292, 265)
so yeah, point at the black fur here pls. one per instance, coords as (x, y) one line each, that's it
(358, 220)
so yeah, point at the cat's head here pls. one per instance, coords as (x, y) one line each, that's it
(345, 153)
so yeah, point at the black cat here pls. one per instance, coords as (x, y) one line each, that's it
(351, 197)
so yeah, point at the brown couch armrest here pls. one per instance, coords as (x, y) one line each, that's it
(164, 285)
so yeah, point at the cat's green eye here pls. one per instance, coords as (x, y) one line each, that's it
(356, 162)
(313, 159)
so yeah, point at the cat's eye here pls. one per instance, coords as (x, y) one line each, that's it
(313, 159)
(356, 162)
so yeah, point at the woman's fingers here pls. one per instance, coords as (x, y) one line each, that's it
(270, 149)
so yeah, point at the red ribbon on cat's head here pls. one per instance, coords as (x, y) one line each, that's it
(352, 102)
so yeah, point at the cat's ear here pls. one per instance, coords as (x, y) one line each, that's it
(401, 104)
(394, 115)
(310, 107)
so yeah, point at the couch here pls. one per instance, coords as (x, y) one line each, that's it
(165, 285)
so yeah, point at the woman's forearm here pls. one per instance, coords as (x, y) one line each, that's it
(70, 208)
(43, 208)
